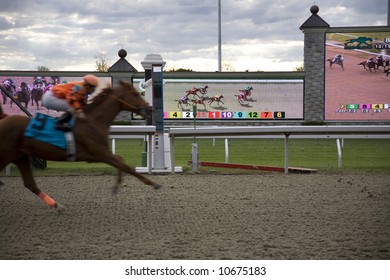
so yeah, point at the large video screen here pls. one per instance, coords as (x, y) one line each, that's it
(356, 85)
(29, 91)
(233, 99)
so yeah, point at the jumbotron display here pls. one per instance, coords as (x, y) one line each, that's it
(233, 99)
(29, 91)
(357, 76)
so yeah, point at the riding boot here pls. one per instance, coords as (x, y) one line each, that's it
(63, 122)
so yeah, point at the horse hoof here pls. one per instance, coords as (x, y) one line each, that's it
(114, 190)
(60, 208)
(156, 187)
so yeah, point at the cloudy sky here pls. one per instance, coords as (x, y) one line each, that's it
(256, 34)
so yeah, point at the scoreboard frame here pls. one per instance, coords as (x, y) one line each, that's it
(270, 99)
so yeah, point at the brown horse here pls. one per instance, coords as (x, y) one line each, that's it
(91, 137)
(368, 64)
(216, 98)
(36, 95)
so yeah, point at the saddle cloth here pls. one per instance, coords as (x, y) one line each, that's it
(42, 128)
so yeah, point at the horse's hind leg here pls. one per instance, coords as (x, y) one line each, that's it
(25, 169)
(119, 179)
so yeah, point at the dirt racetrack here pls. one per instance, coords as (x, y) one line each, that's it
(200, 216)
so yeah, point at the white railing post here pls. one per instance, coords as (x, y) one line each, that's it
(113, 145)
(339, 153)
(286, 135)
(226, 150)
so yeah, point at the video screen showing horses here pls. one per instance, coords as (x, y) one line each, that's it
(357, 76)
(28, 91)
(233, 99)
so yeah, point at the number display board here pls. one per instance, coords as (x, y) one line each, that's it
(356, 87)
(233, 99)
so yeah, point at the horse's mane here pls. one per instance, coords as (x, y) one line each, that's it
(98, 99)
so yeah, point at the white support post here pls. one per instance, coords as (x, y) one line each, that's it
(113, 145)
(286, 135)
(339, 153)
(172, 143)
(226, 150)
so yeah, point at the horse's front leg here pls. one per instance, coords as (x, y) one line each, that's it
(117, 162)
(25, 169)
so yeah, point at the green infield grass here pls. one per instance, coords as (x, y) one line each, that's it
(358, 155)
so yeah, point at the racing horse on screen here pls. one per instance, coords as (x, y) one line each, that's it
(338, 60)
(90, 134)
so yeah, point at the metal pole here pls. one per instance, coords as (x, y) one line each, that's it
(220, 38)
(388, 13)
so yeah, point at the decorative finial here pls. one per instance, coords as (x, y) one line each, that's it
(314, 9)
(122, 53)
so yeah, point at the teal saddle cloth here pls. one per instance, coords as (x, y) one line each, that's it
(42, 128)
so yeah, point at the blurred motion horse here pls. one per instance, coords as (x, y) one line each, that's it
(368, 64)
(336, 60)
(90, 134)
(23, 95)
(10, 86)
(36, 95)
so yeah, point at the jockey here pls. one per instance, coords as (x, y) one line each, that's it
(71, 98)
(380, 57)
(338, 58)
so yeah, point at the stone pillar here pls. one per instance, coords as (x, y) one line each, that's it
(314, 30)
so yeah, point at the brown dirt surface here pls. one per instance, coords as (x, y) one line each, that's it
(200, 216)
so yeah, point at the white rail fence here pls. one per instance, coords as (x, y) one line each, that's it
(336, 132)
(286, 132)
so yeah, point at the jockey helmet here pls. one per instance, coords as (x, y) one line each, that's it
(91, 80)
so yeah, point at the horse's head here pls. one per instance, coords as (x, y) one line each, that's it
(131, 100)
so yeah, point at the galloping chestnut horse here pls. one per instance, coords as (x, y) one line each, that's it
(90, 133)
